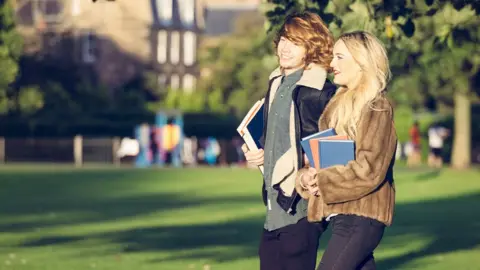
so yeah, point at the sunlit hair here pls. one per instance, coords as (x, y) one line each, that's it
(308, 30)
(371, 56)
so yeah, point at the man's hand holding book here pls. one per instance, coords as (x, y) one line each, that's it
(253, 157)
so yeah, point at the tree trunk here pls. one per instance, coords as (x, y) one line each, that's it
(461, 154)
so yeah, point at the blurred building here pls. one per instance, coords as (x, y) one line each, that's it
(224, 18)
(118, 39)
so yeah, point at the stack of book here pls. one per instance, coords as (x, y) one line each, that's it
(251, 127)
(325, 149)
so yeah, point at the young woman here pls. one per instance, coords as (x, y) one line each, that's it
(358, 199)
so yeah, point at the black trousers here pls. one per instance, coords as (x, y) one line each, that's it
(353, 241)
(293, 247)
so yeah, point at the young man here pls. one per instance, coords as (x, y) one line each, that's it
(297, 95)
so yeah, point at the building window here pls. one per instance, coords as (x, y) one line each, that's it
(175, 82)
(162, 47)
(187, 12)
(175, 48)
(75, 7)
(189, 48)
(50, 10)
(89, 47)
(164, 11)
(189, 83)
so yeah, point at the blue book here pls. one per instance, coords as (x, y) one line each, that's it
(305, 142)
(335, 152)
(255, 127)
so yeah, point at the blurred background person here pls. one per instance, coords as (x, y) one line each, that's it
(171, 135)
(212, 151)
(414, 153)
(436, 137)
(189, 151)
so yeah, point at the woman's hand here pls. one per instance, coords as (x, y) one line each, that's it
(309, 181)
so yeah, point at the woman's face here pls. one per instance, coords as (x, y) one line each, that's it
(345, 68)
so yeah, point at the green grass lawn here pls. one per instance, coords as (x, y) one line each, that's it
(106, 218)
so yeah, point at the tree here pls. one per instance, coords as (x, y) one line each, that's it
(452, 58)
(10, 51)
(180, 100)
(277, 10)
(432, 46)
(30, 100)
(237, 66)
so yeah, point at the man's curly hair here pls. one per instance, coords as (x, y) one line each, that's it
(308, 30)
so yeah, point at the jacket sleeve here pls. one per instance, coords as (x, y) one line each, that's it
(375, 147)
(311, 106)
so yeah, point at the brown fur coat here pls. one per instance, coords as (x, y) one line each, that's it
(365, 186)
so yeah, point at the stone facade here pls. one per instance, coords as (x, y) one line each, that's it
(119, 39)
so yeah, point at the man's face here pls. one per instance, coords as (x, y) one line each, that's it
(290, 56)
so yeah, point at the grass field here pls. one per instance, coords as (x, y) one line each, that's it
(106, 218)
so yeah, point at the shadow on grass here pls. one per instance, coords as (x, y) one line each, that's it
(449, 224)
(36, 201)
(218, 242)
(434, 173)
(443, 221)
(29, 202)
(227, 241)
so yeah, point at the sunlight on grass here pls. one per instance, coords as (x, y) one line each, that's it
(206, 219)
(427, 184)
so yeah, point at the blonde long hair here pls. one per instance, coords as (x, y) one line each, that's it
(371, 56)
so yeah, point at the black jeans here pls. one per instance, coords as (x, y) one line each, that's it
(293, 247)
(353, 240)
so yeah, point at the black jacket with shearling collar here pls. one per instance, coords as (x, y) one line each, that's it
(309, 98)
